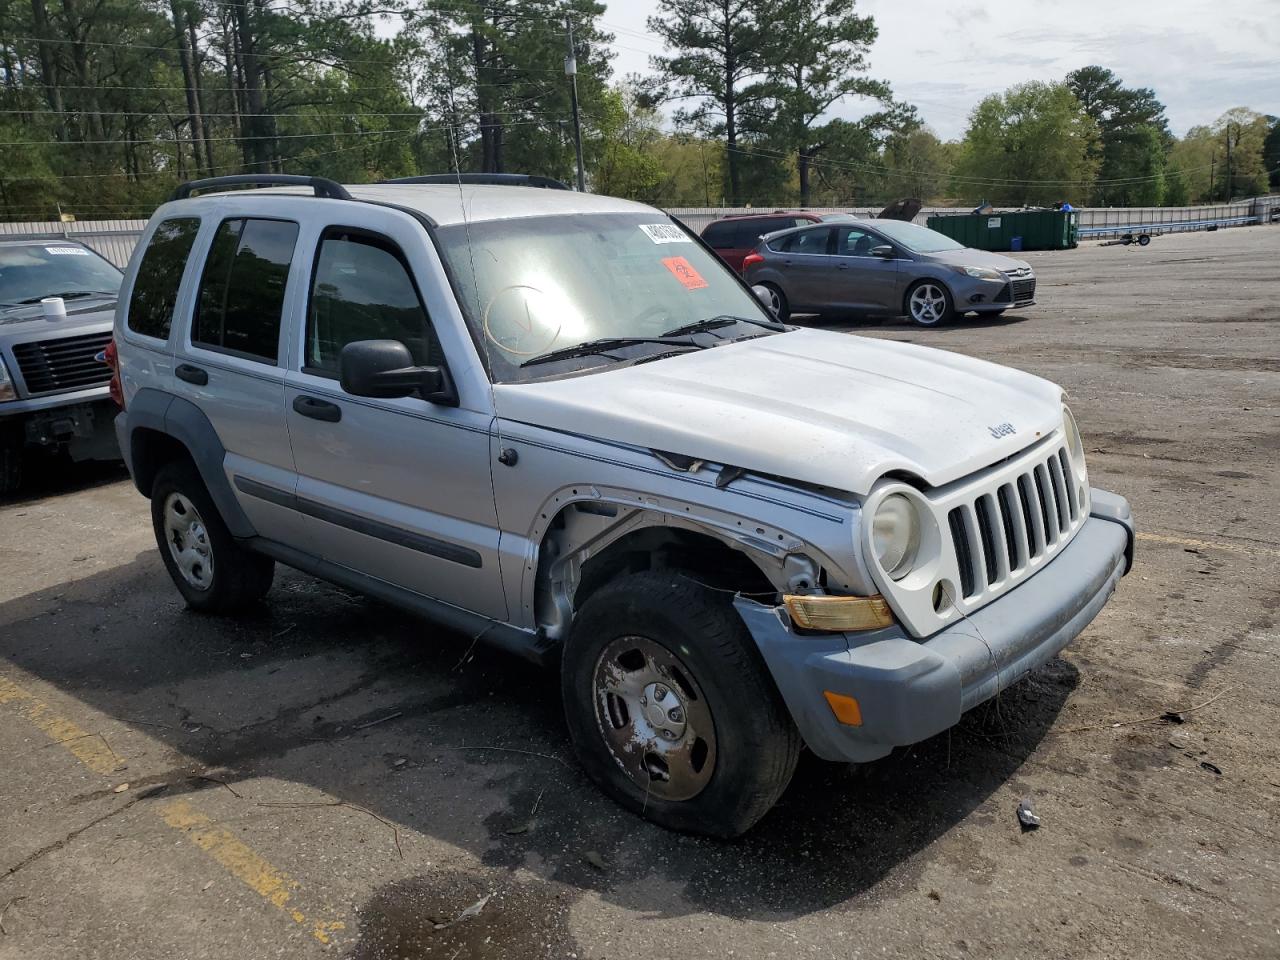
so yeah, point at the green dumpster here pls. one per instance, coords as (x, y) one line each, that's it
(1030, 229)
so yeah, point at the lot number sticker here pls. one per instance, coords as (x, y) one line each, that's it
(67, 251)
(683, 271)
(665, 233)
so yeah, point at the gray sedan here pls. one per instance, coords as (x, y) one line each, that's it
(884, 266)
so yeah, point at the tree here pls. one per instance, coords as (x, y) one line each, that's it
(1032, 144)
(1271, 153)
(1176, 191)
(1126, 119)
(718, 70)
(623, 150)
(917, 164)
(1241, 134)
(1194, 160)
(819, 60)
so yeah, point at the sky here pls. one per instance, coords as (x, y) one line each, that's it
(1201, 58)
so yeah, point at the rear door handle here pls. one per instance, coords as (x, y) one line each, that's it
(317, 409)
(190, 374)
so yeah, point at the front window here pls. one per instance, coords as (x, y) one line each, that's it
(540, 284)
(915, 238)
(31, 272)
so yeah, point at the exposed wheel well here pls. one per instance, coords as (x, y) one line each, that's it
(706, 559)
(150, 450)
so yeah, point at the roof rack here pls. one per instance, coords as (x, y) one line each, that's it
(323, 186)
(488, 179)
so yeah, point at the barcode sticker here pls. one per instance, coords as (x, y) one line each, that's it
(67, 251)
(665, 233)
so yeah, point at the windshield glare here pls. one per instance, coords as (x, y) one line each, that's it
(915, 238)
(43, 270)
(529, 286)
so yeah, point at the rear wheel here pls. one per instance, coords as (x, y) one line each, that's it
(213, 573)
(671, 709)
(929, 303)
(778, 302)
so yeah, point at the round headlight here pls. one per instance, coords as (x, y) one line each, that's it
(895, 535)
(1074, 444)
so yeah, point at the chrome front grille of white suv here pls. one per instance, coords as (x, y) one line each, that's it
(1014, 523)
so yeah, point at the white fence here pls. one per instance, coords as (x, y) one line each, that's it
(115, 239)
(1093, 221)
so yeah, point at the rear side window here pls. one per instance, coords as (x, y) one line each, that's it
(807, 241)
(719, 235)
(155, 288)
(242, 289)
(362, 290)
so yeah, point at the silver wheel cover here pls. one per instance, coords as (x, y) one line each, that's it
(188, 540)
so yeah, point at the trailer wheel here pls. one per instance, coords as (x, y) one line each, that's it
(1143, 240)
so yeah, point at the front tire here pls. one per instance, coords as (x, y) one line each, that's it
(781, 308)
(213, 573)
(929, 303)
(11, 455)
(671, 709)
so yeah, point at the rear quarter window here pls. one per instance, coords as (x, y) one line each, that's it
(155, 288)
(719, 235)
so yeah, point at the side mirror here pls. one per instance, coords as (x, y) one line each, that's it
(765, 296)
(884, 250)
(384, 368)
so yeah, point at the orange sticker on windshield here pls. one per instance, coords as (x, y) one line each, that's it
(683, 271)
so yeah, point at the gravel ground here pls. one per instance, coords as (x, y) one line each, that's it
(330, 776)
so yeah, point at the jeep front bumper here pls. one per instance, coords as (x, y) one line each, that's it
(908, 690)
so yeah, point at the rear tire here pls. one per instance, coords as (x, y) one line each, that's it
(928, 303)
(213, 573)
(11, 454)
(671, 709)
(781, 308)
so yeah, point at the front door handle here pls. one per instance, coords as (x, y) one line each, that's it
(191, 374)
(317, 409)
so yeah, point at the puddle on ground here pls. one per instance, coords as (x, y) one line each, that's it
(436, 915)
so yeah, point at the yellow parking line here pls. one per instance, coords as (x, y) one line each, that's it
(240, 860)
(1209, 544)
(89, 748)
(274, 886)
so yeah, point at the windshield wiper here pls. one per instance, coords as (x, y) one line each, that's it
(72, 295)
(599, 347)
(723, 320)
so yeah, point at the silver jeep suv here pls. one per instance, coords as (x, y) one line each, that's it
(556, 422)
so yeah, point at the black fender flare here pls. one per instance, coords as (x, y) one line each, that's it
(180, 419)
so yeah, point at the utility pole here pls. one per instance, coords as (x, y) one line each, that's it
(1227, 198)
(571, 71)
(1213, 164)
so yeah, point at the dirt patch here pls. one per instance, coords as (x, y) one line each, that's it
(460, 916)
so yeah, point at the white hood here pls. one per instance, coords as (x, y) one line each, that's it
(823, 408)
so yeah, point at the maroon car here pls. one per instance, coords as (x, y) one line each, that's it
(734, 237)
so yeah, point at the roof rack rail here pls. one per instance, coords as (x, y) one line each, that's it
(323, 186)
(488, 179)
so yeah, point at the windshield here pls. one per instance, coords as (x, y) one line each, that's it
(537, 284)
(915, 238)
(29, 272)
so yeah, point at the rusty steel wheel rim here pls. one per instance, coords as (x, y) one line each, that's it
(654, 718)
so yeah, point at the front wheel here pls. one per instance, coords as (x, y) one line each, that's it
(929, 303)
(11, 453)
(213, 573)
(671, 709)
(778, 302)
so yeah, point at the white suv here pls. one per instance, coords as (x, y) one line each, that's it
(558, 423)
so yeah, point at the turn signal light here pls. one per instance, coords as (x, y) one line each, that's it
(846, 708)
(839, 613)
